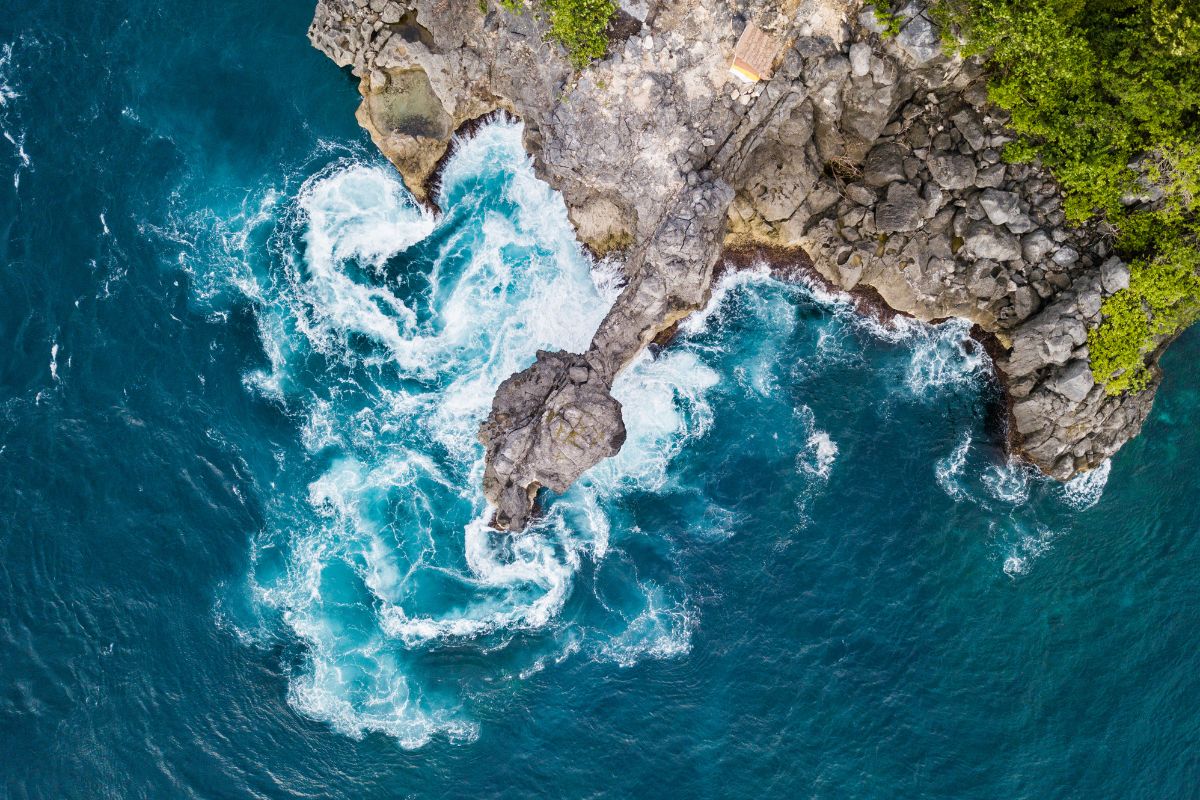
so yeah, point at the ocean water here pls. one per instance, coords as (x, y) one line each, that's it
(242, 550)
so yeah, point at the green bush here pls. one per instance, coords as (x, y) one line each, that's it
(580, 26)
(1107, 94)
(886, 16)
(1163, 298)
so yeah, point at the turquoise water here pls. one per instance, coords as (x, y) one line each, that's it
(241, 539)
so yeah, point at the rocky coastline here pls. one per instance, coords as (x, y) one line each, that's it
(875, 157)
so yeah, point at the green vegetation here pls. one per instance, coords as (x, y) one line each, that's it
(889, 20)
(1107, 94)
(580, 26)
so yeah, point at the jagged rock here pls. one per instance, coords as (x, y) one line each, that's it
(1036, 246)
(966, 121)
(952, 171)
(659, 154)
(1114, 275)
(920, 40)
(884, 165)
(984, 240)
(902, 211)
(1075, 381)
(1065, 256)
(860, 194)
(548, 425)
(860, 59)
(1000, 207)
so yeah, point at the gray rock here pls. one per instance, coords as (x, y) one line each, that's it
(1065, 256)
(919, 40)
(1114, 275)
(884, 165)
(999, 206)
(546, 428)
(1036, 246)
(990, 177)
(1075, 381)
(391, 14)
(860, 59)
(951, 170)
(902, 211)
(860, 194)
(984, 240)
(967, 121)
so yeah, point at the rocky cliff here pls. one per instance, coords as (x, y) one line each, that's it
(878, 156)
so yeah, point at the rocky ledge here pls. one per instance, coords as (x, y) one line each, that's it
(877, 156)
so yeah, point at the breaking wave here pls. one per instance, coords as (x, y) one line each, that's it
(10, 128)
(1085, 490)
(387, 330)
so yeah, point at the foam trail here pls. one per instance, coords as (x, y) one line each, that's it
(8, 94)
(820, 450)
(1085, 490)
(948, 469)
(1027, 547)
(386, 332)
(1008, 483)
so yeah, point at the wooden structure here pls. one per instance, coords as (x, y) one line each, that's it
(755, 54)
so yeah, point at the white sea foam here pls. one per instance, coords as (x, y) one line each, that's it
(1085, 490)
(392, 532)
(820, 451)
(943, 356)
(660, 630)
(948, 470)
(1025, 546)
(1009, 482)
(9, 123)
(823, 451)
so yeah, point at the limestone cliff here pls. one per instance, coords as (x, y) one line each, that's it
(878, 156)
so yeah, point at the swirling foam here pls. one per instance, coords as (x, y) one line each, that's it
(387, 331)
(1085, 490)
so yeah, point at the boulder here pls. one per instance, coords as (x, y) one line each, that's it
(1075, 381)
(884, 165)
(920, 40)
(902, 211)
(1000, 206)
(548, 425)
(1114, 275)
(984, 240)
(1036, 246)
(951, 170)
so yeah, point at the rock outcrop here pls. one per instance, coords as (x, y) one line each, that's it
(879, 157)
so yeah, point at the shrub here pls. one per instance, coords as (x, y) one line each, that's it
(1107, 94)
(580, 26)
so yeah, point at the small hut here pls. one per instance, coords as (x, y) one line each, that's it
(754, 56)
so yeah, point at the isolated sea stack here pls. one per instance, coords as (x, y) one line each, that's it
(712, 124)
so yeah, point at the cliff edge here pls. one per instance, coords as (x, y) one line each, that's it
(878, 156)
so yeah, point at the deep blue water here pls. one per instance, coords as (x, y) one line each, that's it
(241, 550)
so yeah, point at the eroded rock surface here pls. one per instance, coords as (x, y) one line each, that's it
(878, 157)
(549, 424)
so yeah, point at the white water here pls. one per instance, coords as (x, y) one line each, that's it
(388, 556)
